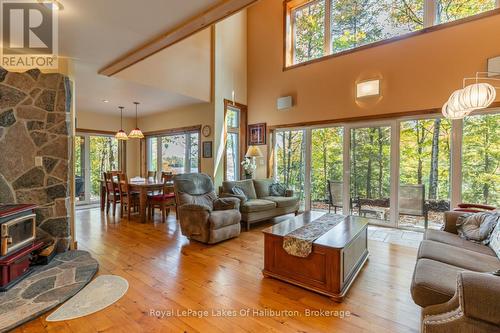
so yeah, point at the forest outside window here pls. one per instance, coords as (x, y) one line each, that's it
(322, 27)
(176, 152)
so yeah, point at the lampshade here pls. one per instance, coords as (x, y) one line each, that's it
(121, 135)
(253, 151)
(136, 133)
(477, 96)
(453, 108)
(368, 88)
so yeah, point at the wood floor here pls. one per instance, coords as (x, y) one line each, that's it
(165, 271)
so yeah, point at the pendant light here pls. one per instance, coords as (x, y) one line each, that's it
(136, 133)
(476, 96)
(121, 135)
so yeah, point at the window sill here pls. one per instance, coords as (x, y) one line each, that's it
(395, 39)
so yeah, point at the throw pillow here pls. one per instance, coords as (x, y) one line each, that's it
(477, 227)
(495, 240)
(277, 190)
(239, 191)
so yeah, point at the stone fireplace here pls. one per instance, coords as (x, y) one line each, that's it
(35, 148)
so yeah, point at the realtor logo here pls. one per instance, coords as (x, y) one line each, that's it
(29, 34)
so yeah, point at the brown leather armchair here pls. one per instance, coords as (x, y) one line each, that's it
(202, 215)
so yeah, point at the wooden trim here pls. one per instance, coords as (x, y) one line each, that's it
(356, 119)
(242, 132)
(195, 24)
(367, 118)
(91, 131)
(172, 131)
(438, 27)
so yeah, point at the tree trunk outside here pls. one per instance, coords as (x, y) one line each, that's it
(433, 175)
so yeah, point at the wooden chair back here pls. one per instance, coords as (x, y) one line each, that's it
(152, 174)
(123, 183)
(109, 185)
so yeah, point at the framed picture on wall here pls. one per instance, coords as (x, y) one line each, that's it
(207, 149)
(257, 134)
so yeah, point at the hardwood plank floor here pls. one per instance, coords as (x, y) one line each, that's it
(165, 271)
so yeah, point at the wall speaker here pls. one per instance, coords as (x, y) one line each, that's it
(284, 103)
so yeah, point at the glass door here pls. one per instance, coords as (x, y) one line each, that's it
(94, 155)
(80, 167)
(370, 173)
(290, 161)
(424, 172)
(327, 169)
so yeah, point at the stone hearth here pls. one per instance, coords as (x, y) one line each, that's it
(34, 122)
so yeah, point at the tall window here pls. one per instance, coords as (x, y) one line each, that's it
(481, 159)
(322, 27)
(176, 153)
(309, 31)
(233, 144)
(235, 134)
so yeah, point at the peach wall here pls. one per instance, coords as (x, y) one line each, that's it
(417, 73)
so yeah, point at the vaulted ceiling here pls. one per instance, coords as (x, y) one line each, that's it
(93, 33)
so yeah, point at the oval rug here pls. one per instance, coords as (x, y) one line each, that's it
(97, 295)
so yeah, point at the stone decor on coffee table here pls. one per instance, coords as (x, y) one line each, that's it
(46, 287)
(35, 122)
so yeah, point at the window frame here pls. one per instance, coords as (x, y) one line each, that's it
(456, 157)
(188, 131)
(430, 25)
(241, 131)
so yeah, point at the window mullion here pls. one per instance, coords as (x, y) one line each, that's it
(430, 14)
(328, 24)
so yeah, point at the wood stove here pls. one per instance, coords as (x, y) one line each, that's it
(18, 227)
(17, 242)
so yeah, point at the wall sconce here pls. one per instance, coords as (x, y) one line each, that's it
(368, 88)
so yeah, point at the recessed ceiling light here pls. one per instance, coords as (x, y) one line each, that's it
(105, 101)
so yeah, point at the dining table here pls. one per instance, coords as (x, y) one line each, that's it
(141, 187)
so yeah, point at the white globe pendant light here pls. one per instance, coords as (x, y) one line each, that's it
(478, 96)
(453, 109)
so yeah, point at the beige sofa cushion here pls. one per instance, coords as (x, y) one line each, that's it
(458, 257)
(433, 282)
(455, 240)
(245, 185)
(257, 205)
(262, 187)
(283, 202)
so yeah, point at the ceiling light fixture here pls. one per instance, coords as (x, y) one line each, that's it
(136, 133)
(105, 101)
(476, 96)
(121, 135)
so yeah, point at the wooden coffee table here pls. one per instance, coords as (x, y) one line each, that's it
(335, 261)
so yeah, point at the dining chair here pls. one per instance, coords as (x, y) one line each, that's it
(128, 199)
(152, 174)
(164, 200)
(112, 192)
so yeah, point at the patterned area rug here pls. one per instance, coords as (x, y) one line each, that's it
(299, 242)
(97, 295)
(46, 287)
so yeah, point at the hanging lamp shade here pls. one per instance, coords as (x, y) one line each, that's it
(136, 133)
(477, 96)
(453, 108)
(121, 135)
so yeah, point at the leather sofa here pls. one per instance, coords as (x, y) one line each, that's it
(454, 284)
(257, 204)
(202, 215)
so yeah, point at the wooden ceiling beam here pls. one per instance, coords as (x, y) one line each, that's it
(169, 38)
